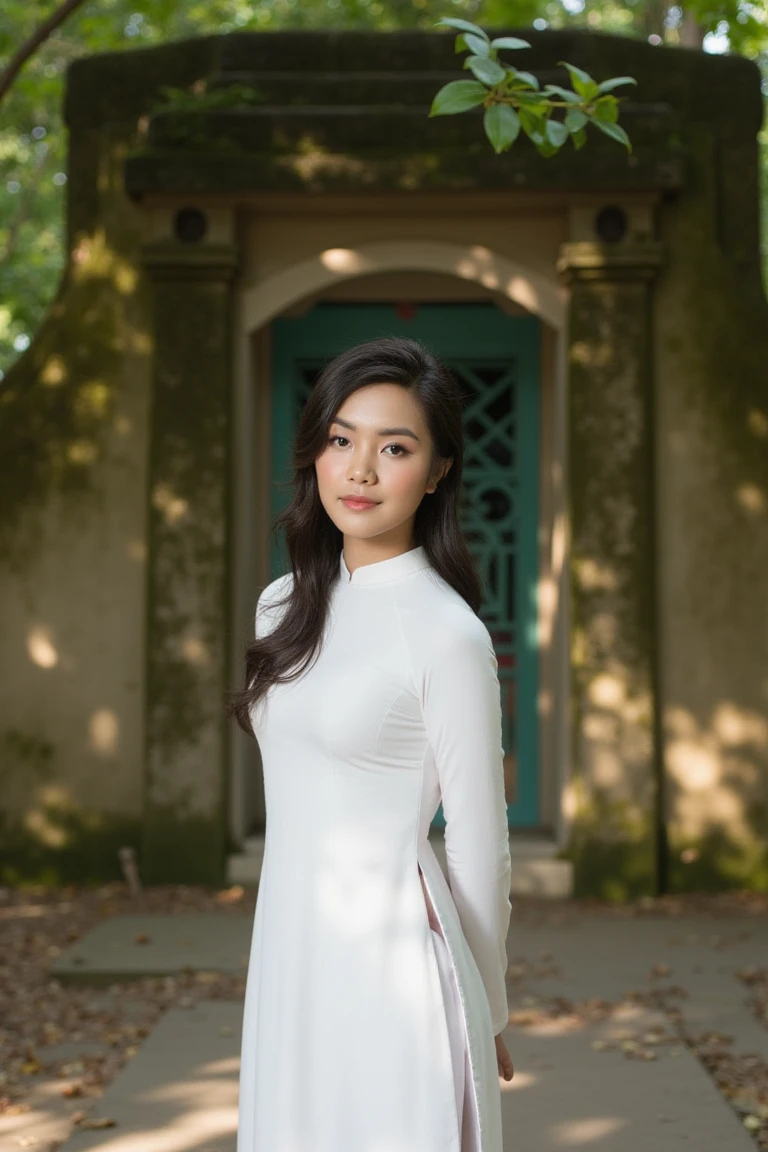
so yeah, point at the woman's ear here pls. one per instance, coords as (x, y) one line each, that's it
(446, 464)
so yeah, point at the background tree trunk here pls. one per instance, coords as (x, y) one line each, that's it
(691, 32)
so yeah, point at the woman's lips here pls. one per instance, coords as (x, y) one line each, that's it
(357, 505)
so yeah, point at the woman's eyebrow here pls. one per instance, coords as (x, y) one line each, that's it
(380, 432)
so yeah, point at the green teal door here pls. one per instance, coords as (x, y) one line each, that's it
(496, 358)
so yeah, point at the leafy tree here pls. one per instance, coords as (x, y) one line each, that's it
(33, 140)
(32, 133)
(28, 47)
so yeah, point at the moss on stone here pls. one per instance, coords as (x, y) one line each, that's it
(188, 592)
(718, 861)
(712, 347)
(612, 625)
(612, 846)
(56, 408)
(183, 850)
(618, 871)
(65, 847)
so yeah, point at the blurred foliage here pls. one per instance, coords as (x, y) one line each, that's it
(33, 138)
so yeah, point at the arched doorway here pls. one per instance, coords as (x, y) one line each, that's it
(509, 308)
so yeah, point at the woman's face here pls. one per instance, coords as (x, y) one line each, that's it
(379, 446)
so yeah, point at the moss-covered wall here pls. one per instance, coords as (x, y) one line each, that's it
(189, 568)
(73, 417)
(73, 539)
(711, 357)
(613, 787)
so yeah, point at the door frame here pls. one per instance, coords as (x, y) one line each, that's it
(291, 289)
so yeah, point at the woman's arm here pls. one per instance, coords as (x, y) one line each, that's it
(462, 715)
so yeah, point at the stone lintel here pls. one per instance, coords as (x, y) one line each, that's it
(588, 260)
(171, 260)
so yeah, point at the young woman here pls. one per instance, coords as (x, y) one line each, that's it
(375, 998)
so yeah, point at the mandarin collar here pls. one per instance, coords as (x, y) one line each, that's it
(382, 571)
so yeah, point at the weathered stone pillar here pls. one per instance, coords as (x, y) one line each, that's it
(192, 262)
(612, 794)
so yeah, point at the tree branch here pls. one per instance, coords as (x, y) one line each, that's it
(30, 46)
(22, 214)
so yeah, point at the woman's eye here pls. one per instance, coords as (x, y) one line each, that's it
(401, 451)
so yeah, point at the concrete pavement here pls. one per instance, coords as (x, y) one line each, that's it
(575, 1086)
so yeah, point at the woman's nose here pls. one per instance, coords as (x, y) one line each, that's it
(361, 466)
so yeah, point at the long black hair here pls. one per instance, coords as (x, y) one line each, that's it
(313, 540)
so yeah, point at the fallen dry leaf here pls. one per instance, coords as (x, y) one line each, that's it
(16, 1109)
(70, 1091)
(230, 895)
(37, 1011)
(75, 1068)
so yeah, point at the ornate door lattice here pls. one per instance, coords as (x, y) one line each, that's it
(490, 518)
(500, 508)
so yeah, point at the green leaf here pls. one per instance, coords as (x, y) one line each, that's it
(606, 108)
(458, 96)
(556, 90)
(509, 42)
(557, 133)
(575, 120)
(579, 139)
(460, 45)
(527, 77)
(582, 81)
(609, 85)
(545, 147)
(576, 73)
(485, 69)
(615, 131)
(502, 126)
(532, 125)
(477, 45)
(464, 25)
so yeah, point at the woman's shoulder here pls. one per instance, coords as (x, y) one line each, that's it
(442, 619)
(272, 603)
(280, 587)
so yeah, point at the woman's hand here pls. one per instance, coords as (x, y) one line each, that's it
(506, 1068)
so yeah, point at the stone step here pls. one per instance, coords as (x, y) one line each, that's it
(148, 944)
(179, 1093)
(535, 869)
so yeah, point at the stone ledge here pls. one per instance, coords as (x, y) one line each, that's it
(535, 869)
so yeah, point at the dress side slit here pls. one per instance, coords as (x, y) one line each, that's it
(462, 1073)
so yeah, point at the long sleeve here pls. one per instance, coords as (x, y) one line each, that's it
(267, 610)
(462, 714)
